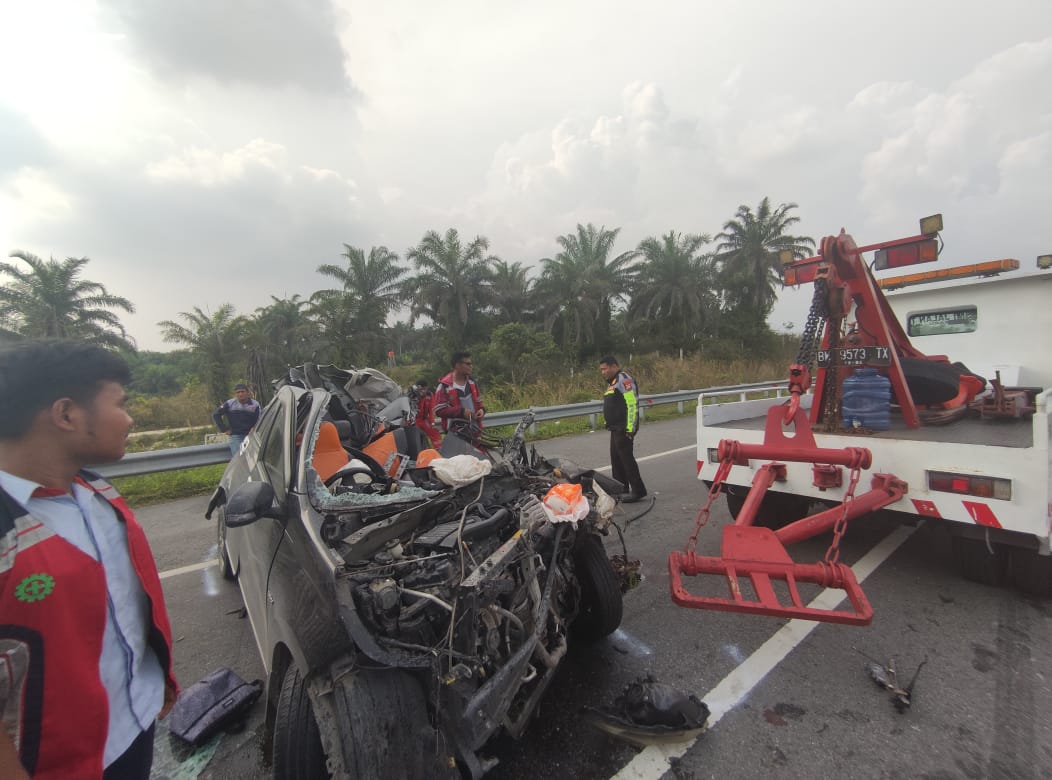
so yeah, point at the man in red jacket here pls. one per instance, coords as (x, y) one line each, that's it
(85, 643)
(457, 396)
(425, 412)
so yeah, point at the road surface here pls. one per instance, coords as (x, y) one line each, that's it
(789, 698)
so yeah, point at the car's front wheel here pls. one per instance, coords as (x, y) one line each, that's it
(382, 722)
(601, 604)
(298, 754)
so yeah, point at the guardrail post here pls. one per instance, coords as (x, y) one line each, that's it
(593, 420)
(679, 407)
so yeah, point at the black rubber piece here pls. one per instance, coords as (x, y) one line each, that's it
(383, 726)
(1032, 573)
(977, 563)
(930, 382)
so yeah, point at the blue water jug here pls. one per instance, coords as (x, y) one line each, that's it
(865, 400)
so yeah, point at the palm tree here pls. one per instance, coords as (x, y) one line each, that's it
(216, 340)
(674, 288)
(332, 317)
(370, 290)
(281, 334)
(512, 292)
(451, 284)
(49, 299)
(747, 254)
(581, 285)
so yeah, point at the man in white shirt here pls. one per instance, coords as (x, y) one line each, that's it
(85, 643)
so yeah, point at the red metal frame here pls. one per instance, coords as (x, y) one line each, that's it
(758, 555)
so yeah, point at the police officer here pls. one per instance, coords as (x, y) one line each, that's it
(621, 411)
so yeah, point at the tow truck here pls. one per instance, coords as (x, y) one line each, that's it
(966, 355)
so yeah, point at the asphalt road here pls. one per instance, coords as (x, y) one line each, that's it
(789, 698)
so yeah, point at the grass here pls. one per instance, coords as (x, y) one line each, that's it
(169, 485)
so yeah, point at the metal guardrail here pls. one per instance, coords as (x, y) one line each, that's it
(137, 463)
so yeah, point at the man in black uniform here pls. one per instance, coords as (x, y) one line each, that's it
(621, 411)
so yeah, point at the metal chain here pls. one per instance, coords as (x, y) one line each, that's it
(833, 553)
(816, 316)
(714, 492)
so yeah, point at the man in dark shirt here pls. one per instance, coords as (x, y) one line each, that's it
(621, 412)
(237, 416)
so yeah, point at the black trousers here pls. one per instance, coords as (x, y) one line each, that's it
(134, 763)
(623, 466)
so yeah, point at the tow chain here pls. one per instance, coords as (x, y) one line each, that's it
(833, 553)
(816, 316)
(714, 493)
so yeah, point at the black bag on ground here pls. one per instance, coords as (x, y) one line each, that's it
(213, 703)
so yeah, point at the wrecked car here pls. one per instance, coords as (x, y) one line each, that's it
(402, 622)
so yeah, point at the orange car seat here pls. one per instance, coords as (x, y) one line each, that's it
(329, 454)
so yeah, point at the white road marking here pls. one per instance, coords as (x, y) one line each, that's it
(187, 569)
(653, 761)
(657, 455)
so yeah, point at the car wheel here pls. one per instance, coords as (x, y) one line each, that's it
(978, 563)
(601, 605)
(776, 510)
(298, 754)
(224, 557)
(384, 728)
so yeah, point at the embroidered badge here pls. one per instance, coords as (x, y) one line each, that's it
(35, 587)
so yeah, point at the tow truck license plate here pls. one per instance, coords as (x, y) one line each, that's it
(854, 356)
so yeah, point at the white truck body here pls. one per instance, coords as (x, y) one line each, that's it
(1005, 324)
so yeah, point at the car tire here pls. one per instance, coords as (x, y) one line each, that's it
(225, 566)
(601, 603)
(776, 510)
(977, 563)
(384, 727)
(298, 754)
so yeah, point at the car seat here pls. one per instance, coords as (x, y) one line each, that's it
(329, 454)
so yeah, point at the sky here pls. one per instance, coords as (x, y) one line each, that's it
(204, 152)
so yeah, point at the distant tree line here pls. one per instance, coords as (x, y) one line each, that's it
(677, 291)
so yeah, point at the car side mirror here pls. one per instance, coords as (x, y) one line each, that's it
(248, 503)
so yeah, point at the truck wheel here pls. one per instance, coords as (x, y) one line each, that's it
(977, 563)
(776, 510)
(1032, 573)
(298, 754)
(601, 605)
(224, 558)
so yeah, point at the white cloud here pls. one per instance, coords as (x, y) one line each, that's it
(192, 180)
(209, 168)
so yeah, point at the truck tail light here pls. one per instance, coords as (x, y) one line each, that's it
(970, 485)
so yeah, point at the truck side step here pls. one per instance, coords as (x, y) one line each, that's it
(755, 554)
